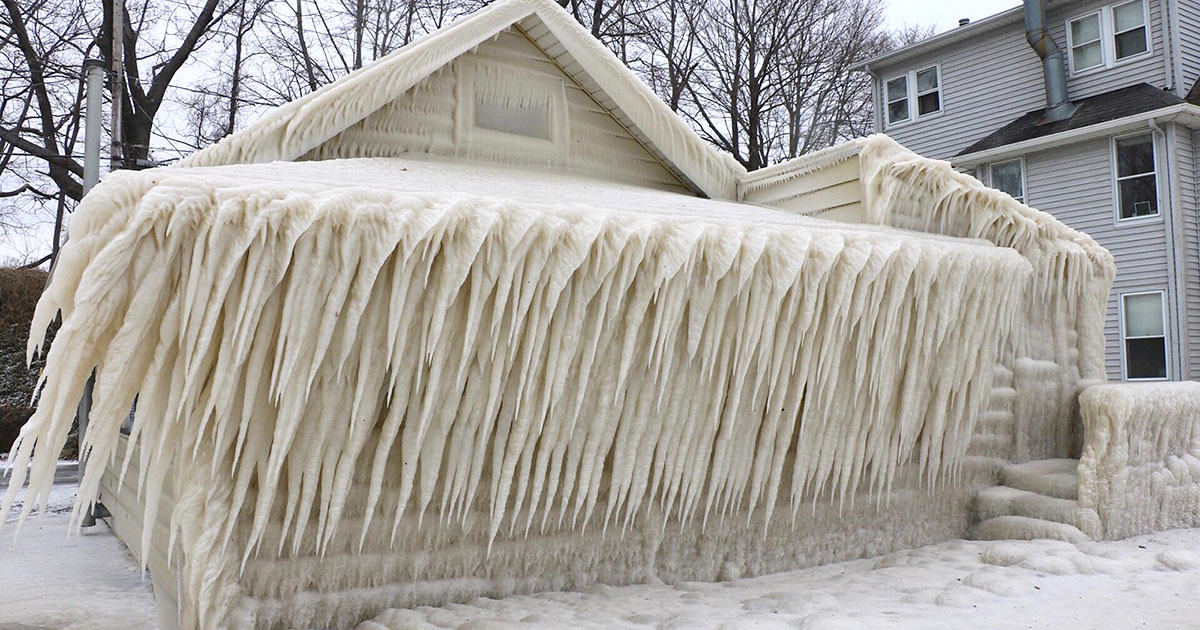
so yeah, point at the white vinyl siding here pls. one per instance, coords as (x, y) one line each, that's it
(1074, 183)
(1145, 354)
(1188, 55)
(991, 80)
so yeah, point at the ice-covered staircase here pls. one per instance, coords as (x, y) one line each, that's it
(1038, 499)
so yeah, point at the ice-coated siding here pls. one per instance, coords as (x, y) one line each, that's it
(989, 81)
(423, 120)
(127, 505)
(1074, 183)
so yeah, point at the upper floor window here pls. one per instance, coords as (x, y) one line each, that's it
(1009, 177)
(1136, 178)
(1108, 36)
(897, 98)
(913, 95)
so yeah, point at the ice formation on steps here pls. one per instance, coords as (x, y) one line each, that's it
(1140, 468)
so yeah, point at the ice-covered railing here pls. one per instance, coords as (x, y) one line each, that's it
(1140, 469)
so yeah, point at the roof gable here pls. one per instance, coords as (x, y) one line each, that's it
(296, 128)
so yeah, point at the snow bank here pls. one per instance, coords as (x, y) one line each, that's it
(323, 352)
(1140, 468)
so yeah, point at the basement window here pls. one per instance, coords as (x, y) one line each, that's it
(1136, 180)
(1143, 334)
(1009, 177)
(1108, 37)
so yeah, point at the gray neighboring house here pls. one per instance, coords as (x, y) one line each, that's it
(1082, 110)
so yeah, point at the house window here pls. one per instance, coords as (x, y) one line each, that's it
(903, 100)
(1143, 332)
(929, 93)
(1109, 36)
(1009, 177)
(1129, 29)
(1087, 48)
(1136, 182)
(897, 98)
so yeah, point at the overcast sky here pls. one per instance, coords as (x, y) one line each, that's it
(944, 15)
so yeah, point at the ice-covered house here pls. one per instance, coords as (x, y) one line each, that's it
(487, 317)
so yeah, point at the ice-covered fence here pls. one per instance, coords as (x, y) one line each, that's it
(1140, 469)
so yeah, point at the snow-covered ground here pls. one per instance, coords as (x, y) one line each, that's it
(84, 582)
(50, 581)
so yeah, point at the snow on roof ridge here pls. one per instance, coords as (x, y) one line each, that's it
(292, 129)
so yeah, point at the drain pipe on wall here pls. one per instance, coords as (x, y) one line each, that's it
(1174, 237)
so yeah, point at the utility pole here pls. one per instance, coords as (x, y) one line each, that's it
(118, 84)
(93, 74)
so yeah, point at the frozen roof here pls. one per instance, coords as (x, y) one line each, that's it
(444, 177)
(291, 130)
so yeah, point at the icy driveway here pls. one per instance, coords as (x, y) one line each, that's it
(89, 581)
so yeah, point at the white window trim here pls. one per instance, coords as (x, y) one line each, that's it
(1024, 182)
(1145, 25)
(1116, 189)
(1071, 44)
(1108, 43)
(914, 112)
(1166, 337)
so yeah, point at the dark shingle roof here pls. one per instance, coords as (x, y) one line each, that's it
(1126, 101)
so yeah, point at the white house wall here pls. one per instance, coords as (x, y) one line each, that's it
(1074, 183)
(423, 121)
(1189, 43)
(988, 82)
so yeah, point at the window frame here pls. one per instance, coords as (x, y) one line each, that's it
(1024, 185)
(1145, 25)
(1108, 38)
(1116, 179)
(1099, 15)
(1162, 296)
(887, 101)
(912, 97)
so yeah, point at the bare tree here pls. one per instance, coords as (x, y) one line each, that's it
(41, 107)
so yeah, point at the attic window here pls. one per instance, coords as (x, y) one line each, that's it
(507, 109)
(522, 119)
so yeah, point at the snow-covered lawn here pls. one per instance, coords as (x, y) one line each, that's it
(50, 581)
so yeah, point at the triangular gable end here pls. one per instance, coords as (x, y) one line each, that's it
(508, 102)
(293, 130)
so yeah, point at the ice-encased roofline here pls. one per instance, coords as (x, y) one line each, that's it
(291, 130)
